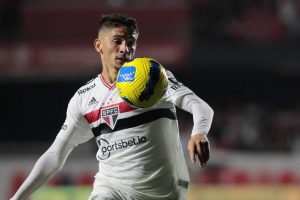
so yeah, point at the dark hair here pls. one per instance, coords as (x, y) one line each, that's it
(114, 20)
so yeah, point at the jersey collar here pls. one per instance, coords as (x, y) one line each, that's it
(108, 85)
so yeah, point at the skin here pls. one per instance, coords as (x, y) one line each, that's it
(194, 148)
(117, 45)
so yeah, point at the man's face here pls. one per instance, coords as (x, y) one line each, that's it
(116, 46)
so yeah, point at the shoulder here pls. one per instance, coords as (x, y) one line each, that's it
(87, 87)
(85, 90)
(171, 77)
(172, 81)
(169, 73)
(82, 94)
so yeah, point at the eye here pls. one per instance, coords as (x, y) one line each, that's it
(130, 42)
(117, 41)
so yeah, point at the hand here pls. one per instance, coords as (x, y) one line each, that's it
(199, 145)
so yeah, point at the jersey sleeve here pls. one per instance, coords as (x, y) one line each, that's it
(75, 129)
(175, 89)
(187, 100)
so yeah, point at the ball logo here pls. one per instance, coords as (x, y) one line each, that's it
(106, 148)
(126, 74)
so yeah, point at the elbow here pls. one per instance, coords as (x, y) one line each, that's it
(59, 164)
(54, 169)
(58, 168)
(208, 111)
(211, 111)
(52, 163)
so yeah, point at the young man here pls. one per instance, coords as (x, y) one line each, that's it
(140, 155)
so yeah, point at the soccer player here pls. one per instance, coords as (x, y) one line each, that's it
(140, 155)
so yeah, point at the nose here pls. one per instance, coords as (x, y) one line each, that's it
(124, 48)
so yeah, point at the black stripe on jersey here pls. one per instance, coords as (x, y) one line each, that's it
(183, 183)
(136, 120)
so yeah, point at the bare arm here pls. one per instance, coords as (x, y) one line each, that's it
(49, 164)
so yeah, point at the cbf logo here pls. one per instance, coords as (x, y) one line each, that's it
(106, 148)
(110, 115)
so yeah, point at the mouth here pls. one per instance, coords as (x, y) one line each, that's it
(122, 59)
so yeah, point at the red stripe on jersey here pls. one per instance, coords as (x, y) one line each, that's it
(92, 116)
(96, 114)
(124, 107)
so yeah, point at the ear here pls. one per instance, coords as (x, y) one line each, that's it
(98, 45)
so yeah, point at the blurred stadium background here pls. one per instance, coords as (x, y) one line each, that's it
(242, 57)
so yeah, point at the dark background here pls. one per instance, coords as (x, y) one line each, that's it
(242, 57)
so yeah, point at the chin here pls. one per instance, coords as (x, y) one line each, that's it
(118, 66)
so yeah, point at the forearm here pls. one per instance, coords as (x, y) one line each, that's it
(198, 145)
(46, 167)
(43, 170)
(201, 111)
(202, 117)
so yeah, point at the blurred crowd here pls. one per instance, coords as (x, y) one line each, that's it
(270, 24)
(254, 127)
(249, 22)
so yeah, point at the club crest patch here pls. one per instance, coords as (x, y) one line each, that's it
(110, 115)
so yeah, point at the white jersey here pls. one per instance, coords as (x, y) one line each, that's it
(140, 153)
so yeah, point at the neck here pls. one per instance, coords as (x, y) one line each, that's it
(110, 76)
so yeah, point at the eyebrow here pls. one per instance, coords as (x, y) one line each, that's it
(114, 36)
(130, 37)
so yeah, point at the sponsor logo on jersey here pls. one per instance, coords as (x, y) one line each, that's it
(92, 101)
(110, 115)
(64, 127)
(106, 148)
(86, 89)
(175, 84)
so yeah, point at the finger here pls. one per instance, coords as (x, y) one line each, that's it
(208, 150)
(199, 153)
(192, 153)
(205, 151)
(201, 162)
(203, 154)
